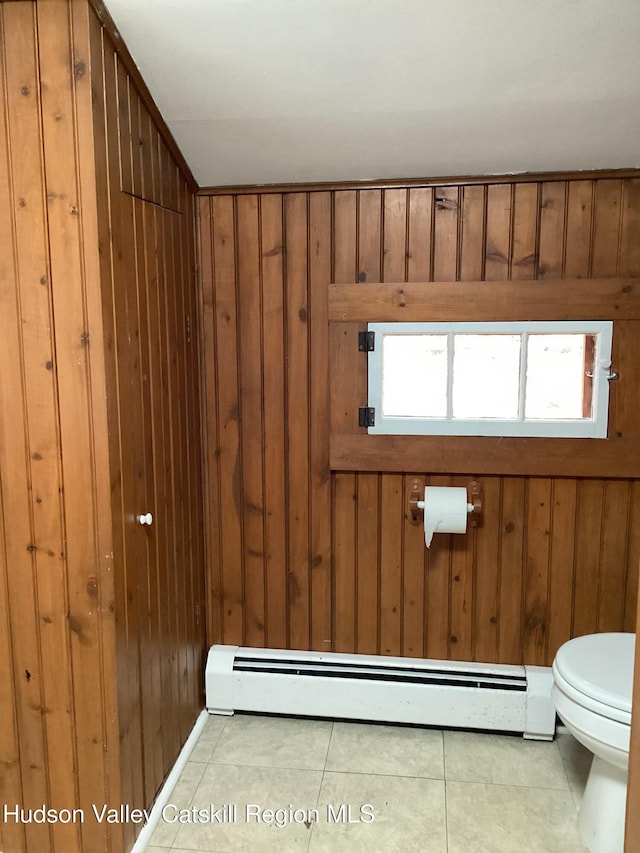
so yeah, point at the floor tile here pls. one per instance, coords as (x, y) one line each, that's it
(406, 791)
(503, 759)
(208, 739)
(291, 790)
(386, 750)
(577, 763)
(409, 814)
(511, 819)
(273, 742)
(165, 832)
(187, 784)
(200, 850)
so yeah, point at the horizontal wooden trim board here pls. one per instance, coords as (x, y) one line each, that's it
(536, 457)
(417, 183)
(526, 299)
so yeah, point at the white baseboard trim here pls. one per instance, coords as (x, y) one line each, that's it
(165, 792)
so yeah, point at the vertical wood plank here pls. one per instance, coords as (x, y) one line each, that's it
(229, 462)
(151, 349)
(369, 235)
(413, 580)
(498, 244)
(633, 559)
(589, 512)
(606, 228)
(391, 562)
(463, 591)
(140, 412)
(173, 612)
(578, 233)
(551, 235)
(438, 591)
(562, 564)
(91, 169)
(195, 468)
(391, 492)
(395, 235)
(127, 120)
(136, 117)
(629, 259)
(344, 550)
(345, 213)
(420, 234)
(524, 256)
(613, 558)
(343, 485)
(367, 564)
(445, 234)
(298, 393)
(210, 427)
(368, 500)
(175, 566)
(274, 360)
(536, 581)
(54, 54)
(320, 475)
(510, 633)
(487, 573)
(187, 333)
(473, 234)
(145, 141)
(160, 402)
(113, 270)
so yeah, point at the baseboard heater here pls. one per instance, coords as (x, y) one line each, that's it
(452, 694)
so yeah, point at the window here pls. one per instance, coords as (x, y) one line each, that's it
(522, 379)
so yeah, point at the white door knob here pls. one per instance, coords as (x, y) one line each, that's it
(146, 519)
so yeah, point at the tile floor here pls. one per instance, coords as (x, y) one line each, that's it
(427, 790)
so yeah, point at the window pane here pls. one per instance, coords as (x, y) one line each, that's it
(555, 377)
(486, 376)
(414, 376)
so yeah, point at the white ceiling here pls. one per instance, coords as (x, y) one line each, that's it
(278, 91)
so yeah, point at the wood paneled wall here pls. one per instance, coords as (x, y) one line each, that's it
(59, 738)
(146, 222)
(101, 619)
(304, 557)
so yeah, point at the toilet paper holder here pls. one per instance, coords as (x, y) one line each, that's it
(474, 498)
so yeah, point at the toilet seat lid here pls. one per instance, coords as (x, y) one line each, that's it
(601, 667)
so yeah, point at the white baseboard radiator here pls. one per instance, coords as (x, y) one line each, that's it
(445, 694)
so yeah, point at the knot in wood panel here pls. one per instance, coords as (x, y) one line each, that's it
(444, 203)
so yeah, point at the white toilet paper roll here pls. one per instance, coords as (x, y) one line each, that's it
(445, 511)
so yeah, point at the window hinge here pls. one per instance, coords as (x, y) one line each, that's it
(366, 417)
(366, 341)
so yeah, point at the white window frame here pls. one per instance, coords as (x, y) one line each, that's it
(594, 427)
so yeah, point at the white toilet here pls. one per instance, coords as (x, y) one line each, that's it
(593, 680)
